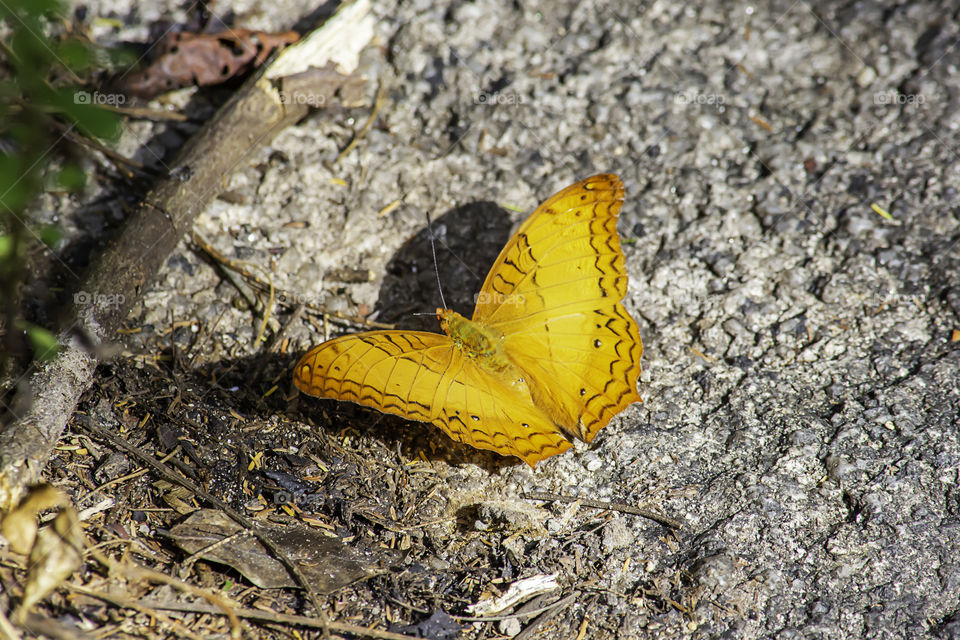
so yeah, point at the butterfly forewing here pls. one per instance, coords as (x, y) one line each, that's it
(554, 295)
(570, 243)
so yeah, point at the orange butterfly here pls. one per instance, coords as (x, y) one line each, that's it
(549, 354)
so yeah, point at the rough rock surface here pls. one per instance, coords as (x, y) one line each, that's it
(801, 390)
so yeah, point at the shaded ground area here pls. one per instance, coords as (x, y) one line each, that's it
(791, 232)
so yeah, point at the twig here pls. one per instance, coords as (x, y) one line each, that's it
(551, 612)
(283, 296)
(377, 104)
(242, 125)
(201, 340)
(583, 628)
(89, 512)
(41, 626)
(7, 629)
(121, 479)
(274, 342)
(612, 506)
(267, 310)
(129, 603)
(279, 618)
(117, 158)
(141, 113)
(245, 270)
(192, 558)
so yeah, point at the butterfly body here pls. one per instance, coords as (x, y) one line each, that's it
(549, 354)
(476, 341)
(483, 347)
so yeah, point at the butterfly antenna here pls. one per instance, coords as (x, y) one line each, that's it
(436, 269)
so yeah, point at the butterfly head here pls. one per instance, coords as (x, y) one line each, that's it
(446, 316)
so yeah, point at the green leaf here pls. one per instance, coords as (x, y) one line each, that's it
(83, 109)
(50, 235)
(32, 51)
(6, 248)
(122, 57)
(34, 7)
(71, 177)
(75, 54)
(44, 343)
(14, 191)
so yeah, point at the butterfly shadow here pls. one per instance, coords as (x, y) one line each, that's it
(468, 240)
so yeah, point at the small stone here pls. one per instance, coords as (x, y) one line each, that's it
(510, 627)
(714, 571)
(594, 463)
(734, 327)
(616, 535)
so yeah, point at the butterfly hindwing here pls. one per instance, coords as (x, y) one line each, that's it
(583, 368)
(378, 369)
(421, 376)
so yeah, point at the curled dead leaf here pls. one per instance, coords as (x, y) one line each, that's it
(55, 551)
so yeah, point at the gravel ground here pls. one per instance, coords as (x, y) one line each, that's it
(801, 388)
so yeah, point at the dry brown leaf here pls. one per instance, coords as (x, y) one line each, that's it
(55, 556)
(19, 526)
(202, 59)
(326, 562)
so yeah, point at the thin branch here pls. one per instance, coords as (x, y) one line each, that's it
(270, 616)
(611, 506)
